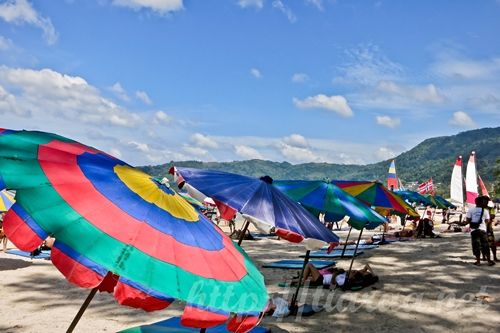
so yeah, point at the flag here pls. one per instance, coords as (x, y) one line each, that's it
(426, 187)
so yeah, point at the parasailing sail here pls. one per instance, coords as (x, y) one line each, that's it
(456, 184)
(471, 180)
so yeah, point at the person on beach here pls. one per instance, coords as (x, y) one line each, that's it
(478, 217)
(489, 231)
(3, 237)
(337, 276)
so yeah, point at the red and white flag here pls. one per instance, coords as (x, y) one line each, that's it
(426, 187)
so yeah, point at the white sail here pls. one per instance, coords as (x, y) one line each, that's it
(456, 184)
(471, 180)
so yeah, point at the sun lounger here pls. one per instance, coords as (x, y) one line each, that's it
(334, 254)
(298, 264)
(173, 325)
(353, 246)
(42, 255)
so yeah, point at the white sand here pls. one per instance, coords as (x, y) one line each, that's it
(414, 278)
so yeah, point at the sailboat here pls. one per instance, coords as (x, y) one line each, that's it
(392, 178)
(456, 184)
(484, 191)
(471, 180)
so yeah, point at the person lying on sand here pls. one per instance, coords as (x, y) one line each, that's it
(336, 276)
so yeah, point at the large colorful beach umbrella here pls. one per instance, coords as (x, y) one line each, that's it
(415, 197)
(435, 202)
(445, 202)
(6, 201)
(377, 195)
(117, 229)
(261, 203)
(323, 196)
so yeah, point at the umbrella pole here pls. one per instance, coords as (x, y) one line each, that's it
(345, 245)
(203, 330)
(293, 304)
(81, 311)
(243, 232)
(354, 256)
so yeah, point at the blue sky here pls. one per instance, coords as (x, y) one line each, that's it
(341, 81)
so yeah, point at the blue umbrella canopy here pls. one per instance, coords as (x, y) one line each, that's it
(323, 196)
(445, 202)
(260, 202)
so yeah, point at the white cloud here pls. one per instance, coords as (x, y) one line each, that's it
(279, 5)
(366, 65)
(300, 78)
(158, 6)
(118, 90)
(384, 153)
(316, 3)
(251, 3)
(198, 153)
(298, 155)
(115, 152)
(9, 103)
(454, 66)
(5, 43)
(161, 117)
(139, 146)
(247, 152)
(204, 141)
(143, 96)
(64, 96)
(255, 73)
(337, 104)
(21, 12)
(462, 119)
(388, 121)
(420, 94)
(296, 140)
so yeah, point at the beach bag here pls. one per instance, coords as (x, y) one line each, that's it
(475, 225)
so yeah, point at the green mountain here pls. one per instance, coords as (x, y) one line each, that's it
(433, 157)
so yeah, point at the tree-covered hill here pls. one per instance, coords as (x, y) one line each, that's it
(432, 158)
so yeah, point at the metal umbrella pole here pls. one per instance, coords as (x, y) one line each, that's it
(354, 256)
(345, 245)
(293, 304)
(82, 310)
(243, 232)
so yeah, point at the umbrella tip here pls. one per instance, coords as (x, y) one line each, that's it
(267, 179)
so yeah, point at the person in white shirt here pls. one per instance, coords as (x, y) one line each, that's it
(477, 217)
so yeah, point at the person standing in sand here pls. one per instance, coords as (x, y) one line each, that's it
(478, 217)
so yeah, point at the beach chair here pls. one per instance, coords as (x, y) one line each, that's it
(298, 264)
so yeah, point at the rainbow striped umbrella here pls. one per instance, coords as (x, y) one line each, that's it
(377, 195)
(323, 196)
(6, 201)
(119, 230)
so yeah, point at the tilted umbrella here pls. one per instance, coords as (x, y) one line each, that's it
(445, 202)
(321, 195)
(435, 202)
(415, 197)
(6, 201)
(119, 230)
(376, 195)
(261, 203)
(324, 196)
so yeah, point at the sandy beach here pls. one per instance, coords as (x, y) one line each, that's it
(427, 285)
